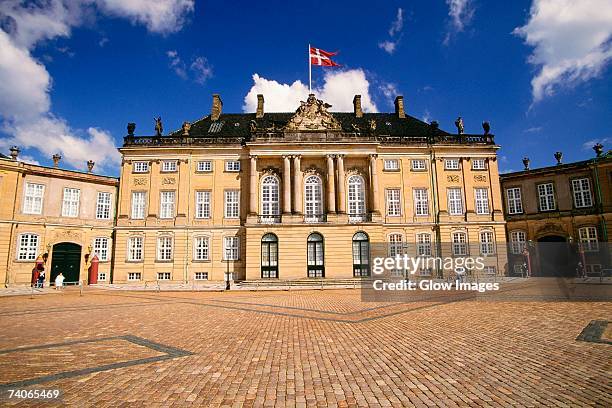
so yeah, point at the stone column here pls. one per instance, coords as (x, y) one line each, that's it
(341, 184)
(253, 186)
(286, 185)
(297, 185)
(374, 184)
(331, 190)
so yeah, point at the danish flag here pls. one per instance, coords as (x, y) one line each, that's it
(322, 58)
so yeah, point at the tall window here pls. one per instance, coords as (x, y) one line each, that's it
(70, 204)
(103, 206)
(588, 238)
(486, 243)
(28, 246)
(421, 205)
(316, 257)
(356, 196)
(393, 202)
(100, 248)
(138, 205)
(201, 248)
(231, 249)
(423, 244)
(455, 204)
(202, 204)
(517, 241)
(269, 196)
(313, 197)
(164, 248)
(582, 193)
(166, 207)
(515, 203)
(33, 201)
(232, 203)
(135, 245)
(481, 196)
(459, 243)
(396, 245)
(269, 256)
(546, 197)
(361, 254)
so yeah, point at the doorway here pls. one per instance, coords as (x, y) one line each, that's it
(554, 257)
(316, 257)
(66, 258)
(269, 256)
(361, 255)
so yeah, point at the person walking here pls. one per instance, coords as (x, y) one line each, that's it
(41, 278)
(35, 274)
(59, 281)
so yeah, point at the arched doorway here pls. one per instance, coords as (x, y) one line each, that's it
(66, 258)
(361, 254)
(554, 256)
(269, 256)
(316, 257)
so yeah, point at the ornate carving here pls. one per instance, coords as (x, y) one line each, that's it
(312, 170)
(480, 177)
(313, 115)
(354, 170)
(452, 178)
(168, 180)
(140, 182)
(551, 228)
(372, 124)
(70, 235)
(270, 171)
(186, 128)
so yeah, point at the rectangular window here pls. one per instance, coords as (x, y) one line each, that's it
(588, 238)
(135, 245)
(28, 247)
(70, 204)
(486, 243)
(103, 206)
(168, 166)
(166, 206)
(392, 165)
(489, 270)
(582, 193)
(138, 205)
(201, 249)
(141, 167)
(231, 248)
(101, 276)
(394, 206)
(451, 164)
(515, 203)
(423, 244)
(33, 201)
(481, 196)
(518, 240)
(164, 248)
(133, 276)
(396, 246)
(418, 164)
(232, 165)
(478, 164)
(205, 166)
(163, 275)
(546, 196)
(100, 248)
(202, 204)
(201, 276)
(421, 205)
(232, 203)
(460, 244)
(455, 202)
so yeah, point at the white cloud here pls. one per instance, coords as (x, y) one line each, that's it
(103, 41)
(461, 13)
(571, 41)
(606, 141)
(389, 91)
(159, 16)
(200, 69)
(534, 129)
(388, 46)
(338, 89)
(394, 32)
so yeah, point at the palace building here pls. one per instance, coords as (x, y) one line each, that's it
(302, 194)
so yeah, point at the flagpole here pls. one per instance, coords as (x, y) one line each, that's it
(309, 71)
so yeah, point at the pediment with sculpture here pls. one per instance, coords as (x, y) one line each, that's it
(312, 115)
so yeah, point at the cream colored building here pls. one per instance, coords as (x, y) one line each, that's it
(64, 214)
(303, 194)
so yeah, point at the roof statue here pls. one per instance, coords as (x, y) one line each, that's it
(159, 127)
(313, 115)
(459, 124)
(186, 128)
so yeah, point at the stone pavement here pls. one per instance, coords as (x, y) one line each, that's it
(302, 348)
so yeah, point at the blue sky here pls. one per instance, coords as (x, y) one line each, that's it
(75, 72)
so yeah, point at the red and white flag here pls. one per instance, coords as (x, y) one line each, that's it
(322, 58)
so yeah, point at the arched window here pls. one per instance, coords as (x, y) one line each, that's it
(356, 198)
(313, 198)
(361, 254)
(316, 257)
(269, 256)
(269, 196)
(486, 243)
(459, 244)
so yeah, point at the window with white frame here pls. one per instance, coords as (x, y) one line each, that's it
(100, 248)
(451, 164)
(588, 238)
(313, 196)
(28, 247)
(138, 205)
(546, 196)
(33, 201)
(418, 164)
(455, 202)
(166, 205)
(514, 200)
(134, 276)
(481, 195)
(101, 276)
(231, 250)
(205, 166)
(201, 248)
(103, 206)
(70, 203)
(459, 243)
(164, 248)
(163, 275)
(356, 195)
(141, 167)
(421, 203)
(168, 166)
(202, 204)
(486, 243)
(394, 206)
(201, 276)
(391, 164)
(232, 203)
(396, 245)
(518, 239)
(479, 164)
(489, 270)
(269, 196)
(232, 165)
(582, 193)
(135, 246)
(423, 241)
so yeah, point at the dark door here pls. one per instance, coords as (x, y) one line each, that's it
(555, 259)
(316, 258)
(269, 256)
(67, 260)
(361, 255)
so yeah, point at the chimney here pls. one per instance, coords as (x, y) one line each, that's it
(357, 106)
(14, 152)
(217, 107)
(56, 159)
(260, 107)
(90, 166)
(399, 107)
